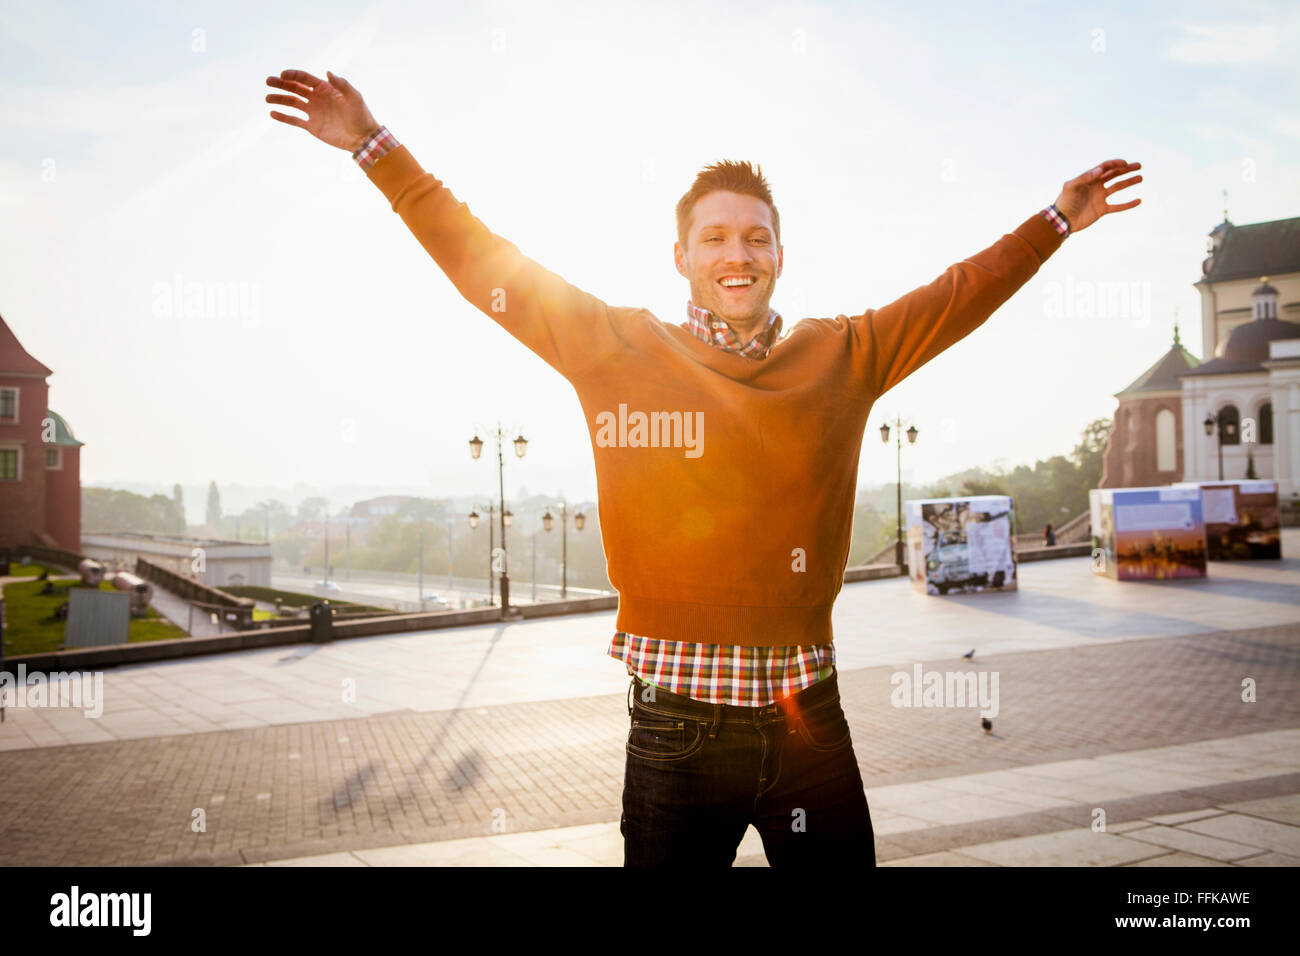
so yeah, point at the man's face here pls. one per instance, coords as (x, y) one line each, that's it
(731, 237)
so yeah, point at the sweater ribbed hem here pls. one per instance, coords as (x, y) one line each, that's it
(724, 623)
(393, 171)
(1041, 235)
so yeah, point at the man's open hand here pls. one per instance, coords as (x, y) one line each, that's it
(336, 113)
(1083, 199)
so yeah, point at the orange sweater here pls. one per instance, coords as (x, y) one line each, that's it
(693, 443)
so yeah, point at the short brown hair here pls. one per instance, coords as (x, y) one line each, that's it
(726, 176)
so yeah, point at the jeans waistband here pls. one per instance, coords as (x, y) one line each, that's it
(662, 701)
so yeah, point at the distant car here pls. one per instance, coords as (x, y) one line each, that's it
(436, 599)
(328, 587)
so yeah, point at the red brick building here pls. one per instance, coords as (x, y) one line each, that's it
(1145, 447)
(40, 458)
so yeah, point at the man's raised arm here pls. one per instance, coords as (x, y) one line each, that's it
(569, 328)
(891, 342)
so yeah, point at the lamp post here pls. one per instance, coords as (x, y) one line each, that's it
(1214, 427)
(451, 562)
(521, 445)
(579, 522)
(898, 441)
(326, 522)
(473, 523)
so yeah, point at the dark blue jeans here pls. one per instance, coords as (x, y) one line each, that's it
(699, 774)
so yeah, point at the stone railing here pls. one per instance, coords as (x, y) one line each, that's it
(236, 611)
(69, 560)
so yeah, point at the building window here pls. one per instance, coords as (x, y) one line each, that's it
(9, 464)
(53, 459)
(1165, 450)
(1229, 425)
(1266, 423)
(8, 405)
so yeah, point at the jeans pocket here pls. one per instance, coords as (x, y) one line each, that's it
(663, 738)
(824, 727)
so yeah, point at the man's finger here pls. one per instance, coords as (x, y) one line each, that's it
(291, 120)
(1125, 184)
(299, 88)
(281, 100)
(1102, 169)
(340, 84)
(1120, 169)
(300, 76)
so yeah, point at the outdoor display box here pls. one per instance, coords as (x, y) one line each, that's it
(961, 544)
(1241, 518)
(1146, 534)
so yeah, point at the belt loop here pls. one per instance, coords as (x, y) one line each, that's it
(717, 719)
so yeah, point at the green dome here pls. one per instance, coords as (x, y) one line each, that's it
(62, 433)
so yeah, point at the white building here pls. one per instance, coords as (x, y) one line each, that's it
(1243, 401)
(215, 563)
(1249, 388)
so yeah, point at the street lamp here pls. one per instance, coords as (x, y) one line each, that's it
(1212, 425)
(326, 522)
(579, 521)
(475, 449)
(898, 440)
(473, 523)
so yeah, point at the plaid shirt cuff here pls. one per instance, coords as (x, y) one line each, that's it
(1056, 219)
(375, 148)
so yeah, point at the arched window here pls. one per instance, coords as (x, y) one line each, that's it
(1229, 425)
(1266, 423)
(1165, 449)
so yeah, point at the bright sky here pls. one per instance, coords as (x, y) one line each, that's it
(138, 154)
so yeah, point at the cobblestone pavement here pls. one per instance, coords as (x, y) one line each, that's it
(294, 790)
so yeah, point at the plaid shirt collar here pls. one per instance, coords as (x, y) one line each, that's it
(701, 323)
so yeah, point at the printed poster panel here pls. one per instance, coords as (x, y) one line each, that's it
(1220, 506)
(1101, 515)
(1242, 522)
(1149, 534)
(965, 544)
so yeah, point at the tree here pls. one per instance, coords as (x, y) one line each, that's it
(214, 505)
(312, 509)
(984, 486)
(104, 509)
(1053, 491)
(178, 499)
(1092, 447)
(272, 514)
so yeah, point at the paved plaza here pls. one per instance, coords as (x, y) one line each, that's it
(503, 744)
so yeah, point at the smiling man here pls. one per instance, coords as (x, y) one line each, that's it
(733, 233)
(727, 560)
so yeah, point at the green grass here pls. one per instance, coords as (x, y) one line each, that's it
(32, 628)
(33, 570)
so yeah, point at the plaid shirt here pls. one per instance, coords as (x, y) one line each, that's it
(712, 673)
